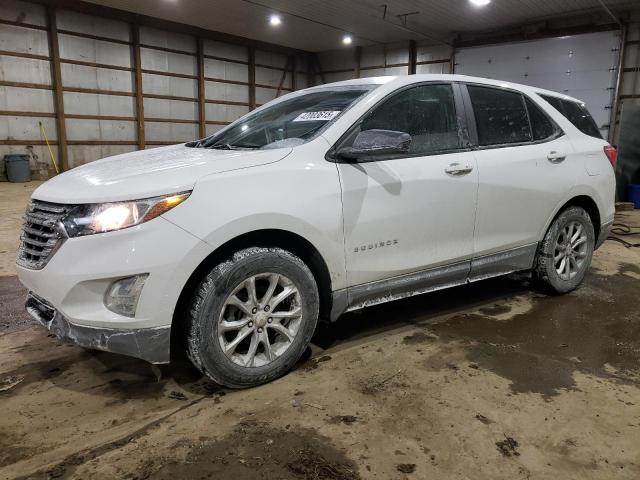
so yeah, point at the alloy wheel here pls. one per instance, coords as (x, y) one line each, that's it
(570, 250)
(260, 319)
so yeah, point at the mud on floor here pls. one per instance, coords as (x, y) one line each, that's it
(254, 450)
(491, 380)
(595, 330)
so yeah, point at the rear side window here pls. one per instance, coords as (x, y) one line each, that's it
(501, 116)
(542, 127)
(576, 113)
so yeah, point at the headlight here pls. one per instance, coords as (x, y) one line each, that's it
(106, 217)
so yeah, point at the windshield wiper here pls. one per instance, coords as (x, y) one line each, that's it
(228, 146)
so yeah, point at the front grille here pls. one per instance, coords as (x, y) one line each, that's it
(41, 236)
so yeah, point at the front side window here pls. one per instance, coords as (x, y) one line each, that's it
(576, 113)
(288, 123)
(501, 116)
(426, 112)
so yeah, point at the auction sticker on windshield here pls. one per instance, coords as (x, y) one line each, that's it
(317, 116)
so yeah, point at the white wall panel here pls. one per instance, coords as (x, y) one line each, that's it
(226, 70)
(582, 66)
(224, 113)
(26, 12)
(337, 59)
(374, 72)
(100, 130)
(225, 50)
(226, 91)
(338, 77)
(301, 81)
(372, 56)
(92, 25)
(14, 69)
(80, 76)
(269, 76)
(26, 99)
(426, 53)
(168, 62)
(95, 104)
(632, 56)
(178, 109)
(433, 68)
(211, 129)
(264, 95)
(81, 154)
(161, 38)
(163, 85)
(397, 53)
(23, 40)
(97, 51)
(271, 58)
(170, 132)
(26, 128)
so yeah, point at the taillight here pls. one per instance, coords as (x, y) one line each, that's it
(612, 155)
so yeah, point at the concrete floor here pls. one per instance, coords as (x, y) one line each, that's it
(492, 380)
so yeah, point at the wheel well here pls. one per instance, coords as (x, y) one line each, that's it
(589, 206)
(292, 242)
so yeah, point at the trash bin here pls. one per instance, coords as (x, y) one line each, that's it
(18, 168)
(633, 193)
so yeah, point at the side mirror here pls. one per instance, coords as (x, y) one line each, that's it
(374, 143)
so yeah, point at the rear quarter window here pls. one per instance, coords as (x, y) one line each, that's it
(576, 113)
(542, 127)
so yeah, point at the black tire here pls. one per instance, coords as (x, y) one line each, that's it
(203, 345)
(544, 265)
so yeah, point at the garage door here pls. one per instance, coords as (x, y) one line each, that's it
(582, 66)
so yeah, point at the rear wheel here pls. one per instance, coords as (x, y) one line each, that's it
(252, 317)
(564, 256)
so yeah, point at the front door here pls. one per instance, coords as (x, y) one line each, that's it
(406, 214)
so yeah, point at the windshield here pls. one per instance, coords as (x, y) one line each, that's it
(288, 123)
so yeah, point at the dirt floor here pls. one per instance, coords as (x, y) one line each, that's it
(488, 381)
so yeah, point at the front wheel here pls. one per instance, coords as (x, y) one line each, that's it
(252, 317)
(564, 256)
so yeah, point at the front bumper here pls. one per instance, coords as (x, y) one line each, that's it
(74, 282)
(150, 344)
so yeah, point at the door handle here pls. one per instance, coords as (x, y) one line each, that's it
(457, 169)
(555, 157)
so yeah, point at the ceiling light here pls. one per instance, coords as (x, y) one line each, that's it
(347, 40)
(275, 20)
(480, 3)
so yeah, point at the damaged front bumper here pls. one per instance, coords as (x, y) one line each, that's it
(149, 344)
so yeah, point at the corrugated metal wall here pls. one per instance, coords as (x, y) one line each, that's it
(188, 86)
(626, 134)
(378, 60)
(630, 81)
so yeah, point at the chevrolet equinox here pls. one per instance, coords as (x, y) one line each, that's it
(323, 201)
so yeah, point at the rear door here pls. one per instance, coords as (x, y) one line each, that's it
(525, 169)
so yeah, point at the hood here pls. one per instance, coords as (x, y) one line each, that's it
(147, 173)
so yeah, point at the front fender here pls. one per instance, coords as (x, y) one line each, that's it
(297, 195)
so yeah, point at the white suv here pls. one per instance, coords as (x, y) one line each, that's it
(323, 201)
